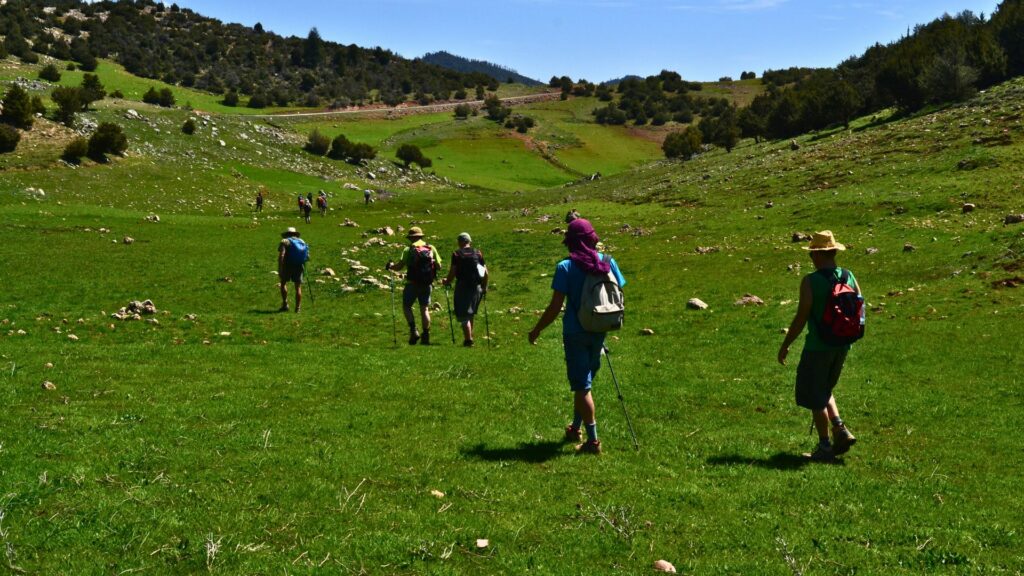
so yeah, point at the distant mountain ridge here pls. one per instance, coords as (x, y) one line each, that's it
(468, 66)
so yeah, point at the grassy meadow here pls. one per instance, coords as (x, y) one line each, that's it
(220, 436)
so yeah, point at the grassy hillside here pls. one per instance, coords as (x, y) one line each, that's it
(228, 438)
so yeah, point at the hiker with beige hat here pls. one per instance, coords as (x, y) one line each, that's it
(422, 262)
(832, 308)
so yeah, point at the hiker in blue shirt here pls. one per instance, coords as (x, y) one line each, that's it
(292, 254)
(582, 348)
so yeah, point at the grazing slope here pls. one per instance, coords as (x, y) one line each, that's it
(231, 439)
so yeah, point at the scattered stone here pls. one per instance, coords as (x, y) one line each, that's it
(664, 566)
(47, 385)
(515, 310)
(349, 224)
(793, 145)
(226, 280)
(696, 304)
(749, 300)
(72, 337)
(647, 332)
(132, 115)
(153, 218)
(1013, 219)
(871, 251)
(706, 249)
(769, 204)
(222, 143)
(350, 186)
(482, 542)
(908, 247)
(801, 237)
(359, 268)
(128, 240)
(48, 365)
(371, 175)
(225, 334)
(557, 231)
(329, 272)
(968, 208)
(190, 317)
(522, 231)
(784, 331)
(437, 494)
(152, 321)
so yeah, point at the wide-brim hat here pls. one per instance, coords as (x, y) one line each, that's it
(465, 237)
(824, 240)
(414, 232)
(291, 231)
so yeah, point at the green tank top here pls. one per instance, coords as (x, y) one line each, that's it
(820, 287)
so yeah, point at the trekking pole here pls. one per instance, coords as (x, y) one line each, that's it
(622, 401)
(309, 284)
(394, 323)
(450, 323)
(487, 321)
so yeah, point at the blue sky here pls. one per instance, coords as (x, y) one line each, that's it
(603, 39)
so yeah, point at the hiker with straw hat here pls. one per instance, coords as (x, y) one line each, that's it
(292, 254)
(422, 262)
(832, 307)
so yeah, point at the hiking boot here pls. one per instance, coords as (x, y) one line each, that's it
(425, 339)
(467, 343)
(283, 308)
(842, 440)
(822, 454)
(589, 447)
(413, 338)
(573, 434)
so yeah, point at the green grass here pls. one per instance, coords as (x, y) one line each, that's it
(309, 443)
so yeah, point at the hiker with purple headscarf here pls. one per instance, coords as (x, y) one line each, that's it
(582, 348)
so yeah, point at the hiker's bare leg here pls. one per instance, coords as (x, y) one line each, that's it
(298, 296)
(425, 316)
(284, 293)
(583, 403)
(821, 422)
(409, 318)
(467, 330)
(833, 410)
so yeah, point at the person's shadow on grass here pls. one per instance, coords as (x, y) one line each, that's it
(780, 461)
(531, 452)
(262, 312)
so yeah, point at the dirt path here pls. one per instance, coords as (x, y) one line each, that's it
(403, 110)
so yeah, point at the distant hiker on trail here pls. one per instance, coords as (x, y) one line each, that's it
(366, 197)
(259, 201)
(470, 275)
(321, 203)
(832, 307)
(422, 262)
(307, 209)
(302, 204)
(582, 348)
(292, 254)
(571, 215)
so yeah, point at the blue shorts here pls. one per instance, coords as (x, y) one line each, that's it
(413, 292)
(582, 358)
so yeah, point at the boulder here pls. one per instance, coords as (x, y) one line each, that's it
(1013, 219)
(801, 237)
(329, 272)
(749, 300)
(664, 566)
(968, 207)
(153, 218)
(128, 240)
(47, 385)
(908, 247)
(350, 186)
(696, 304)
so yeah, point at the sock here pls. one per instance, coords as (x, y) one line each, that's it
(592, 431)
(837, 422)
(577, 421)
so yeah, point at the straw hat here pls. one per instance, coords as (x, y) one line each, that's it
(291, 231)
(415, 232)
(824, 240)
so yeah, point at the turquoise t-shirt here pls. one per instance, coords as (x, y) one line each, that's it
(820, 287)
(569, 281)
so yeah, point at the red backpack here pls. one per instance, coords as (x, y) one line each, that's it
(842, 323)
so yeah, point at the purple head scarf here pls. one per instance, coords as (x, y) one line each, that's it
(582, 242)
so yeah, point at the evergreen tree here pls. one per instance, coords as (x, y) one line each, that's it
(17, 110)
(92, 90)
(682, 144)
(108, 139)
(69, 102)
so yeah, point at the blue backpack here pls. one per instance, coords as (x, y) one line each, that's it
(297, 252)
